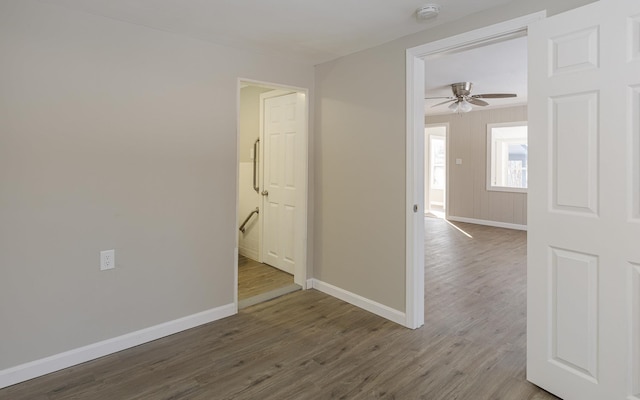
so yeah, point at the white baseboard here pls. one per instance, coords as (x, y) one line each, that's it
(249, 253)
(359, 301)
(44, 366)
(488, 223)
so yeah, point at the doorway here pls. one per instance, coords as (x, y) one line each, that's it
(272, 191)
(415, 147)
(435, 174)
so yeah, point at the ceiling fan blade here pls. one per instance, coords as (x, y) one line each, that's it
(441, 97)
(494, 95)
(477, 102)
(444, 102)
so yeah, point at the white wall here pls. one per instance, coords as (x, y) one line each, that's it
(114, 136)
(360, 159)
(468, 194)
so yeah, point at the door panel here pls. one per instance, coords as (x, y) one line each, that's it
(575, 152)
(583, 311)
(574, 329)
(288, 237)
(271, 219)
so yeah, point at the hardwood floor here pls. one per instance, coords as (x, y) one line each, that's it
(307, 345)
(255, 278)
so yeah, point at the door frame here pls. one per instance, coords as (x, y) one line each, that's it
(415, 124)
(427, 158)
(300, 274)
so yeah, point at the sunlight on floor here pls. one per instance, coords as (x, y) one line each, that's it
(465, 233)
(441, 215)
(437, 213)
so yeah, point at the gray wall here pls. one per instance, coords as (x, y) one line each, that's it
(114, 136)
(360, 159)
(468, 194)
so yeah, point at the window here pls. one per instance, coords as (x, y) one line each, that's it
(507, 157)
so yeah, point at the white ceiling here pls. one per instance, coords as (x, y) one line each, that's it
(319, 31)
(495, 68)
(314, 31)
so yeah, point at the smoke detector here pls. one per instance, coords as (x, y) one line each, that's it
(428, 11)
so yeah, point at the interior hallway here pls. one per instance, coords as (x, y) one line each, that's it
(307, 345)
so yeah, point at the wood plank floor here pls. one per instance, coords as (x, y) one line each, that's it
(255, 278)
(307, 345)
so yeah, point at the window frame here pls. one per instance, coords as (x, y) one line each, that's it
(489, 145)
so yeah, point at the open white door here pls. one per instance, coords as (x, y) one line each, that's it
(283, 180)
(584, 203)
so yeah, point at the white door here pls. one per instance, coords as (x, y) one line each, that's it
(583, 321)
(283, 176)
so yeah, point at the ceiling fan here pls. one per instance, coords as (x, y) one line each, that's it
(463, 99)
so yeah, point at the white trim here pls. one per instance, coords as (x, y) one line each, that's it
(477, 37)
(414, 220)
(487, 222)
(359, 301)
(236, 259)
(44, 366)
(415, 76)
(507, 189)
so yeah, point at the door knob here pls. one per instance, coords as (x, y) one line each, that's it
(265, 193)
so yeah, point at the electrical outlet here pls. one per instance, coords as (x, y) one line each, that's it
(107, 259)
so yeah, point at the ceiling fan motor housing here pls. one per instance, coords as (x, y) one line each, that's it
(461, 89)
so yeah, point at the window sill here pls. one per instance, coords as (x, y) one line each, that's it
(506, 189)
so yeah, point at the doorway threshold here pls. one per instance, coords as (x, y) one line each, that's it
(270, 295)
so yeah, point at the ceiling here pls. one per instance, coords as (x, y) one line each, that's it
(312, 31)
(496, 68)
(319, 31)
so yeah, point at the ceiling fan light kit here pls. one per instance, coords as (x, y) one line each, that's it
(460, 107)
(463, 100)
(428, 11)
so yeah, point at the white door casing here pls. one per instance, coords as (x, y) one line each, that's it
(283, 181)
(583, 295)
(415, 76)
